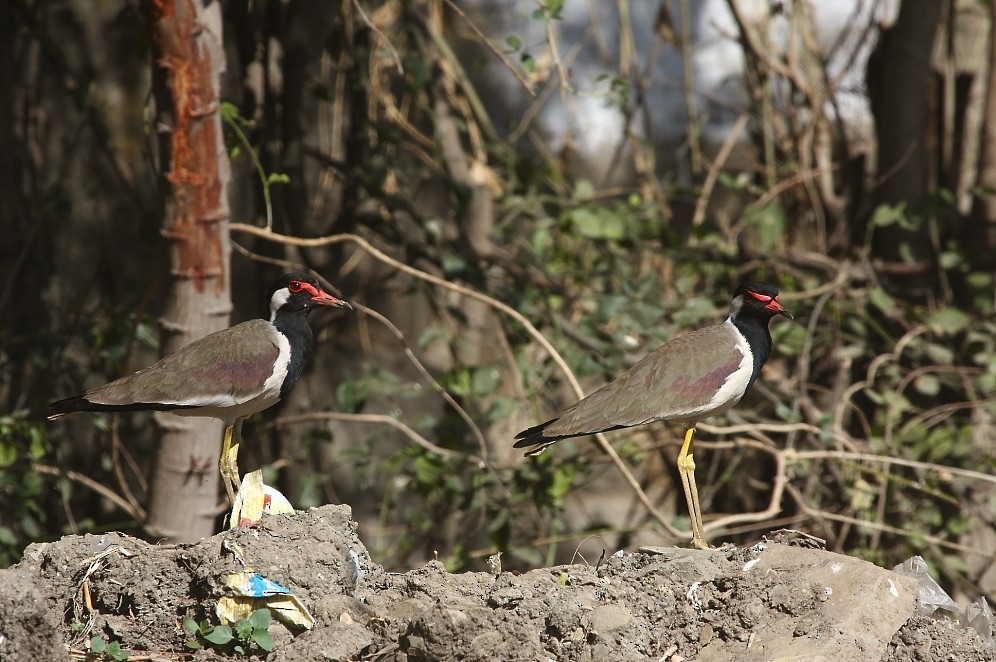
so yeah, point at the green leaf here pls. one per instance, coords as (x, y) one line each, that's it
(219, 636)
(263, 639)
(927, 384)
(278, 178)
(427, 472)
(948, 321)
(7, 536)
(485, 381)
(583, 190)
(189, 624)
(885, 303)
(886, 215)
(979, 279)
(770, 223)
(37, 449)
(513, 42)
(229, 110)
(115, 652)
(243, 629)
(98, 645)
(528, 63)
(8, 455)
(597, 226)
(951, 260)
(939, 353)
(261, 618)
(563, 478)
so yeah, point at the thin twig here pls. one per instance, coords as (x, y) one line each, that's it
(774, 503)
(381, 419)
(117, 451)
(484, 40)
(800, 456)
(422, 370)
(135, 512)
(688, 85)
(387, 42)
(717, 166)
(551, 38)
(905, 533)
(790, 456)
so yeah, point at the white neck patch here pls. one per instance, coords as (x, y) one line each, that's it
(735, 306)
(278, 299)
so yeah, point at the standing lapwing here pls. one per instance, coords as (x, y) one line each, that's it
(229, 375)
(687, 379)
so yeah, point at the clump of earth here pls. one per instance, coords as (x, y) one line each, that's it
(769, 601)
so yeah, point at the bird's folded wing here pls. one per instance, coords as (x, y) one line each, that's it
(224, 368)
(676, 381)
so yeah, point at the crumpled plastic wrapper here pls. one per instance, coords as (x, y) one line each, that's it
(932, 597)
(979, 617)
(252, 591)
(254, 499)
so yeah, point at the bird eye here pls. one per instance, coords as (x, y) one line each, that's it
(295, 286)
(760, 297)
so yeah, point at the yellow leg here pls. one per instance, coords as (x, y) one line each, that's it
(686, 469)
(228, 461)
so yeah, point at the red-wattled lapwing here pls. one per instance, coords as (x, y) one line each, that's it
(687, 379)
(230, 374)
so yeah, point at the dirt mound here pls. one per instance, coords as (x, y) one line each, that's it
(771, 600)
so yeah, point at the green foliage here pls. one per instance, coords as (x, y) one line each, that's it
(108, 651)
(233, 118)
(22, 491)
(249, 636)
(549, 10)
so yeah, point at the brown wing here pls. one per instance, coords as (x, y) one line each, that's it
(228, 366)
(676, 381)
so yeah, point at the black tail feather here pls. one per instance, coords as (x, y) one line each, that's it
(80, 403)
(534, 439)
(525, 438)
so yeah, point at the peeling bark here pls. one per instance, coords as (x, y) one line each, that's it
(187, 66)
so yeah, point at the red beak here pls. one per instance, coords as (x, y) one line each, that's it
(326, 299)
(778, 308)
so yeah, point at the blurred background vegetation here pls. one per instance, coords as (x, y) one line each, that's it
(523, 201)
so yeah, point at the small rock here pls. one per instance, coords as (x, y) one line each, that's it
(600, 651)
(609, 618)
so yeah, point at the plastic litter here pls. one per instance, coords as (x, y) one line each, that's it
(979, 617)
(931, 596)
(252, 591)
(254, 499)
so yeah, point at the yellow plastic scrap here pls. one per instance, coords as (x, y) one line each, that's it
(251, 592)
(255, 498)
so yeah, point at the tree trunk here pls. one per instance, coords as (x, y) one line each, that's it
(981, 232)
(188, 60)
(900, 85)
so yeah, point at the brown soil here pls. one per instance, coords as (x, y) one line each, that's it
(771, 601)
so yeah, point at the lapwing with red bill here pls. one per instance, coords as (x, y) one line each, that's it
(229, 375)
(687, 379)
